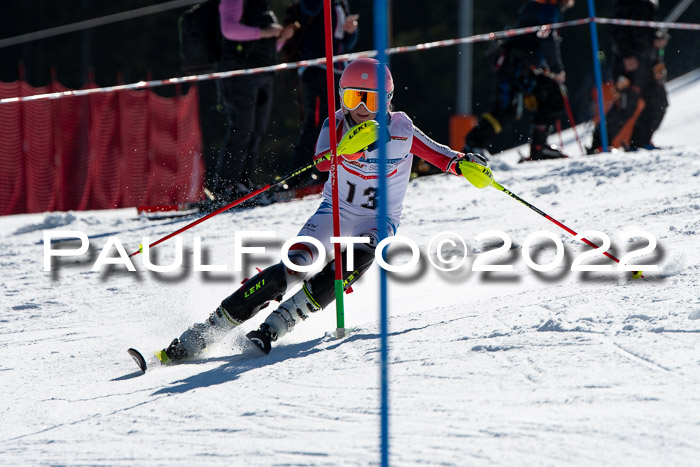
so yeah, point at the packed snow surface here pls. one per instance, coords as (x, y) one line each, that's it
(514, 367)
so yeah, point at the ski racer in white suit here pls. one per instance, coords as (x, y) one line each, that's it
(358, 177)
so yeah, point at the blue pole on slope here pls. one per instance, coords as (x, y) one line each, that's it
(598, 76)
(381, 20)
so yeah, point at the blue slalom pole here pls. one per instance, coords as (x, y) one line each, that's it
(381, 20)
(598, 75)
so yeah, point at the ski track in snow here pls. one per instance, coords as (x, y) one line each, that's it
(518, 368)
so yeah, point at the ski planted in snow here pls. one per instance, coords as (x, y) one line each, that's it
(138, 358)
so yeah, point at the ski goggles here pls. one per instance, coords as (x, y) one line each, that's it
(352, 98)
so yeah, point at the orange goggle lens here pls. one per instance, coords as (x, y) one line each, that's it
(352, 98)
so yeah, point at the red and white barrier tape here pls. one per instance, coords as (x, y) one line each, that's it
(491, 36)
(346, 57)
(649, 24)
(183, 79)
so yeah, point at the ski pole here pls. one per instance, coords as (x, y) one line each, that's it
(357, 139)
(481, 177)
(570, 115)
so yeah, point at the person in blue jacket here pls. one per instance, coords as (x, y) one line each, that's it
(529, 72)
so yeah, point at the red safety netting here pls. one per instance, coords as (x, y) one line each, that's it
(72, 150)
(100, 151)
(12, 197)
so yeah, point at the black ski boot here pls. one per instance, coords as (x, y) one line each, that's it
(263, 338)
(539, 149)
(174, 353)
(194, 340)
(546, 152)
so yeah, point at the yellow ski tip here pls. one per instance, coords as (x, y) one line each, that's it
(162, 357)
(358, 138)
(637, 275)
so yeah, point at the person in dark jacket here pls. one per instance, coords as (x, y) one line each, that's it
(529, 73)
(639, 76)
(312, 79)
(250, 31)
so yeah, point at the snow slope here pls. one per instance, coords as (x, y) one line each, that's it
(509, 368)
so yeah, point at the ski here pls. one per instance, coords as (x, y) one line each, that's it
(194, 209)
(160, 211)
(138, 358)
(259, 340)
(524, 158)
(166, 211)
(642, 150)
(113, 232)
(159, 358)
(163, 212)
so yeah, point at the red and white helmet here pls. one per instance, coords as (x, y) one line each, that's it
(361, 75)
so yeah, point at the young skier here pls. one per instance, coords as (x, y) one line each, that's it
(357, 185)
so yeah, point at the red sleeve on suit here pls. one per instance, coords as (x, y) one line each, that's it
(430, 151)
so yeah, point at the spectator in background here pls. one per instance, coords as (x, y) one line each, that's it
(309, 43)
(529, 72)
(639, 75)
(250, 31)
